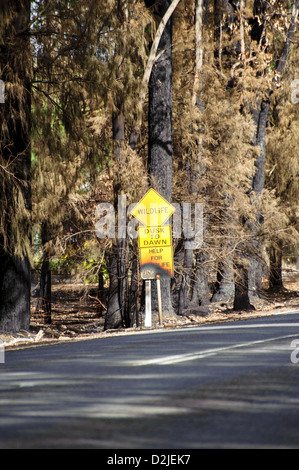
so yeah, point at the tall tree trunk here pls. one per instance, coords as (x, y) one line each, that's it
(194, 289)
(45, 296)
(113, 319)
(15, 116)
(160, 112)
(135, 132)
(100, 295)
(224, 289)
(186, 283)
(15, 285)
(160, 129)
(135, 294)
(122, 247)
(275, 274)
(241, 300)
(117, 258)
(118, 313)
(44, 304)
(201, 290)
(255, 272)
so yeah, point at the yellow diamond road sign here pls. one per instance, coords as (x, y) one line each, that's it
(153, 209)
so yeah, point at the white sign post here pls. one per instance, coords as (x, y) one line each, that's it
(159, 300)
(148, 304)
(155, 246)
(2, 352)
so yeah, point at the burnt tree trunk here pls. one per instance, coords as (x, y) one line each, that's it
(15, 116)
(117, 258)
(135, 294)
(275, 275)
(113, 319)
(224, 288)
(15, 285)
(186, 283)
(160, 129)
(100, 295)
(45, 296)
(44, 304)
(241, 301)
(194, 289)
(201, 291)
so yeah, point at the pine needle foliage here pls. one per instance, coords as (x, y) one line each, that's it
(15, 126)
(282, 176)
(89, 57)
(216, 143)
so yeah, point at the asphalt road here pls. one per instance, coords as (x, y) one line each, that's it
(230, 385)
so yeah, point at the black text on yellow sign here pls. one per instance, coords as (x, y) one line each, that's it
(150, 237)
(156, 261)
(153, 209)
(156, 252)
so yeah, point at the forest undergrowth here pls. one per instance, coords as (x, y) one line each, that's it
(75, 314)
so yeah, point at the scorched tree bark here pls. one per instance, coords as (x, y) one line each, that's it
(15, 282)
(160, 125)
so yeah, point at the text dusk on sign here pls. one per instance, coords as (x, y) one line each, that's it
(155, 246)
(154, 238)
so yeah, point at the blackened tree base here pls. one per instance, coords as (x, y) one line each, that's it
(15, 287)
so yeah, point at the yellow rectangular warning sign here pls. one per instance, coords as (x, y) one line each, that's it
(149, 237)
(156, 261)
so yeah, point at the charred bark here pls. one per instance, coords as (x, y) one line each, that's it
(15, 286)
(186, 283)
(116, 309)
(113, 319)
(275, 274)
(241, 301)
(160, 128)
(224, 288)
(15, 273)
(44, 304)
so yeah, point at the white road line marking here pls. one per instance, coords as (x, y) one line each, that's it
(227, 326)
(176, 359)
